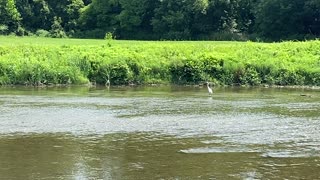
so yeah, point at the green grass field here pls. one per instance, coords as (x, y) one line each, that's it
(16, 40)
(37, 61)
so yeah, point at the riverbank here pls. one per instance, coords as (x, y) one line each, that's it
(45, 61)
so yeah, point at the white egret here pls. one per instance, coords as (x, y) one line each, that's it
(107, 83)
(209, 89)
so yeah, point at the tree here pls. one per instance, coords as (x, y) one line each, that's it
(280, 19)
(135, 18)
(172, 19)
(57, 30)
(201, 6)
(100, 17)
(67, 10)
(39, 14)
(245, 15)
(312, 17)
(26, 9)
(36, 14)
(73, 14)
(163, 19)
(9, 16)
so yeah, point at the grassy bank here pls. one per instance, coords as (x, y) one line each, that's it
(37, 61)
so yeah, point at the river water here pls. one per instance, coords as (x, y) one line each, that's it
(159, 133)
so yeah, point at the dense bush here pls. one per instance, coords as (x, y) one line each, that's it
(44, 61)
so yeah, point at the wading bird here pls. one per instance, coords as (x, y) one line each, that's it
(209, 89)
(107, 83)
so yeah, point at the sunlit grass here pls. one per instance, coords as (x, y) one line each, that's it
(38, 60)
(16, 40)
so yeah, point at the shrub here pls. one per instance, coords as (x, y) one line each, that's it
(109, 36)
(250, 77)
(42, 33)
(187, 71)
(64, 61)
(3, 29)
(120, 74)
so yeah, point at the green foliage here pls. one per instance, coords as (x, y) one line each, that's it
(10, 16)
(269, 20)
(100, 15)
(187, 71)
(3, 29)
(42, 33)
(120, 74)
(109, 36)
(201, 68)
(287, 19)
(250, 76)
(45, 61)
(98, 72)
(57, 30)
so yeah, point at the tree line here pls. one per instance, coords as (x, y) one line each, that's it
(266, 20)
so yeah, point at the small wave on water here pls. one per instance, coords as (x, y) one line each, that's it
(205, 150)
(265, 151)
(290, 154)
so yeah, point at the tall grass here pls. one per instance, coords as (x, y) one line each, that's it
(38, 61)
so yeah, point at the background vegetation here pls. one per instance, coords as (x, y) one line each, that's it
(45, 61)
(267, 20)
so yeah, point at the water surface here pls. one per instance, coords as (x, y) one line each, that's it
(159, 133)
